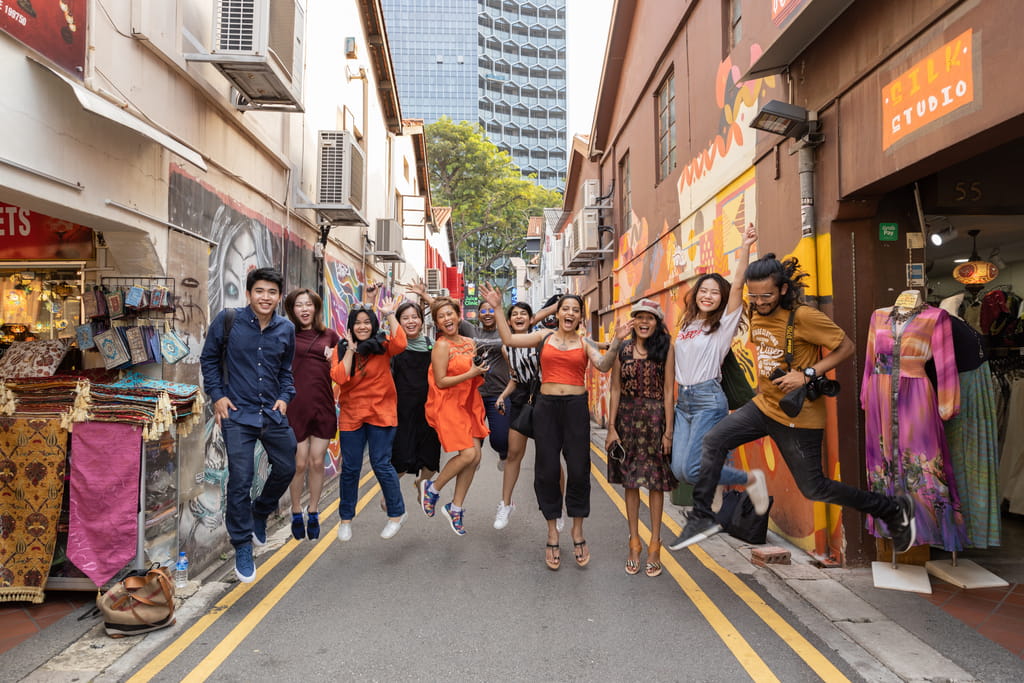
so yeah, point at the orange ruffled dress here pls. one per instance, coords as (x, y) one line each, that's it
(457, 413)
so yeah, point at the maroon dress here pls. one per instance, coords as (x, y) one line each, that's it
(312, 412)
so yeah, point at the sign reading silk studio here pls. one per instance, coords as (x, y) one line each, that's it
(932, 88)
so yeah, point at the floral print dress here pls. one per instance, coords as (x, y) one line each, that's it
(640, 423)
(905, 445)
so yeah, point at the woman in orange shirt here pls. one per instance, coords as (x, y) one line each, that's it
(368, 410)
(561, 416)
(455, 409)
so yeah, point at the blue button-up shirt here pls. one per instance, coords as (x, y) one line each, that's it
(258, 364)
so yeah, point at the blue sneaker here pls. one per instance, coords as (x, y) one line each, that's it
(454, 519)
(259, 531)
(245, 567)
(313, 526)
(298, 526)
(428, 500)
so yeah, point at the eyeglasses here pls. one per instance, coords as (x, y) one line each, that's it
(763, 297)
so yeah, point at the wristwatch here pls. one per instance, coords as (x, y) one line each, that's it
(810, 373)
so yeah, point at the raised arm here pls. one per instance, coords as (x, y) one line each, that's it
(508, 338)
(604, 361)
(736, 294)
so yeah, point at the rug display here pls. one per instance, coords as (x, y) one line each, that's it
(104, 498)
(33, 454)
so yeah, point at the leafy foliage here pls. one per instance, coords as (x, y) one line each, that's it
(491, 201)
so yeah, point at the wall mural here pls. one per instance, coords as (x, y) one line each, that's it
(245, 240)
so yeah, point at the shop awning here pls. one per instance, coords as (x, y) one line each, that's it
(90, 101)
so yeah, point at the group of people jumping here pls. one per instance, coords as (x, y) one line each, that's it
(406, 398)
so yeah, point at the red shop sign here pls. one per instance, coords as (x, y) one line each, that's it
(28, 235)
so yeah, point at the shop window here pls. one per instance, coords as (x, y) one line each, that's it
(38, 304)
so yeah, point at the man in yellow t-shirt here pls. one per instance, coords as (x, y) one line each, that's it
(775, 291)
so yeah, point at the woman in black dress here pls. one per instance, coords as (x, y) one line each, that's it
(416, 449)
(311, 413)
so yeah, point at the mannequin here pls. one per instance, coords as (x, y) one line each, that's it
(896, 394)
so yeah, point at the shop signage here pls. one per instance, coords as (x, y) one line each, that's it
(915, 275)
(937, 85)
(28, 235)
(888, 232)
(53, 29)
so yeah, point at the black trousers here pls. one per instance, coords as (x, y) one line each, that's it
(800, 448)
(561, 428)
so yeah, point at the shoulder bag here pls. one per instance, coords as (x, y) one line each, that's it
(138, 604)
(734, 382)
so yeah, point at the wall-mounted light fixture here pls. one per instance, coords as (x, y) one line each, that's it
(943, 235)
(782, 118)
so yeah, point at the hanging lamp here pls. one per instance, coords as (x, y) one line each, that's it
(975, 272)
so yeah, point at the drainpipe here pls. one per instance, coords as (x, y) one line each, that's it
(805, 169)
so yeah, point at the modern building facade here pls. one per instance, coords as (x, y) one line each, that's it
(515, 51)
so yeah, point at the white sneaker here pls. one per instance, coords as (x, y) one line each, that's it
(716, 503)
(504, 512)
(345, 531)
(392, 527)
(560, 524)
(758, 492)
(501, 465)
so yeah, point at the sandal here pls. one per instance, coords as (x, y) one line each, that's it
(582, 553)
(552, 557)
(633, 565)
(653, 566)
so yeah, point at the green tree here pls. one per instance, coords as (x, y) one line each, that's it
(491, 201)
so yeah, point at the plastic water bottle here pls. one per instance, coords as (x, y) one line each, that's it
(181, 571)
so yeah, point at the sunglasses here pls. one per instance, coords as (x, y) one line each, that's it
(356, 308)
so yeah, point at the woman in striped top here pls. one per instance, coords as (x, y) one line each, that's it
(524, 369)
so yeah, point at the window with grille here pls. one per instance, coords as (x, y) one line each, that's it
(665, 97)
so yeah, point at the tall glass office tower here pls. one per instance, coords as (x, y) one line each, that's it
(498, 62)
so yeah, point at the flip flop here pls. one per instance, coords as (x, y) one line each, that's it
(581, 552)
(552, 557)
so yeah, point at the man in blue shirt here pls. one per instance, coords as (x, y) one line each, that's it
(247, 373)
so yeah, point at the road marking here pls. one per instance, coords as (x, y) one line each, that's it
(254, 616)
(820, 664)
(171, 652)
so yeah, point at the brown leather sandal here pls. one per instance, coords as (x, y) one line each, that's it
(653, 566)
(633, 565)
(552, 557)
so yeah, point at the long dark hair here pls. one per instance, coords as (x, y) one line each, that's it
(713, 319)
(406, 305)
(372, 345)
(579, 300)
(318, 308)
(781, 273)
(658, 344)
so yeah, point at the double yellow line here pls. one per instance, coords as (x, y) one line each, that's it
(737, 644)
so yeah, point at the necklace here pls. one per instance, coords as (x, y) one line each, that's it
(900, 316)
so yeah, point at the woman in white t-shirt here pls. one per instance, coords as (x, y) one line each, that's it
(714, 312)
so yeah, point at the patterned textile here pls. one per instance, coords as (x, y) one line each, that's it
(973, 448)
(104, 522)
(905, 444)
(33, 358)
(640, 423)
(32, 462)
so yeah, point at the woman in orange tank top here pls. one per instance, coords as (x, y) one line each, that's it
(561, 416)
(455, 410)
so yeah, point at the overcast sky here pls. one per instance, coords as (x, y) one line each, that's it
(587, 33)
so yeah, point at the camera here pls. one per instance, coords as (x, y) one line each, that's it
(821, 386)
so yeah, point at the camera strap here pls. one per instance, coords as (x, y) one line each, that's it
(789, 339)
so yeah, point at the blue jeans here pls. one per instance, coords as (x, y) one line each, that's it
(352, 444)
(240, 443)
(800, 448)
(498, 424)
(699, 407)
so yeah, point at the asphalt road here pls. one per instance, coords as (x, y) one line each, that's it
(429, 605)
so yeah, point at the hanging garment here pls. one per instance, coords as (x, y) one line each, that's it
(905, 444)
(103, 523)
(974, 451)
(1011, 464)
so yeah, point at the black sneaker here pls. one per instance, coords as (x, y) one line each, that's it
(904, 528)
(697, 529)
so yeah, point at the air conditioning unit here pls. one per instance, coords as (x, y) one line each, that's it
(572, 262)
(555, 257)
(341, 178)
(444, 292)
(433, 280)
(258, 47)
(590, 192)
(584, 238)
(388, 244)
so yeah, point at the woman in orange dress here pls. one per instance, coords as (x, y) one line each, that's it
(455, 410)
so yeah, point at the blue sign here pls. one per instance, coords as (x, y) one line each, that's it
(515, 294)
